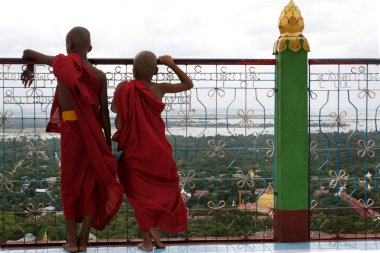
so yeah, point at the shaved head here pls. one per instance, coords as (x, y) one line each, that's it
(145, 65)
(79, 40)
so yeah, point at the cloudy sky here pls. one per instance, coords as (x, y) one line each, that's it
(189, 29)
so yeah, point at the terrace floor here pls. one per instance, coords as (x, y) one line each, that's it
(331, 246)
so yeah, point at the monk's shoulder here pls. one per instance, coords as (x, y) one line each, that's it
(122, 84)
(100, 75)
(158, 90)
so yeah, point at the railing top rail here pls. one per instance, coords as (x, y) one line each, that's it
(331, 61)
(114, 61)
(215, 61)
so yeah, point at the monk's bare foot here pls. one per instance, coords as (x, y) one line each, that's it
(144, 247)
(70, 248)
(156, 235)
(159, 246)
(82, 248)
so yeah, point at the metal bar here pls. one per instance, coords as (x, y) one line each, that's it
(332, 61)
(113, 61)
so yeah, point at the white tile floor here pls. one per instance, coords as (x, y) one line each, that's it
(326, 247)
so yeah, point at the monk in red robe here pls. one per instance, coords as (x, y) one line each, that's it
(148, 170)
(90, 190)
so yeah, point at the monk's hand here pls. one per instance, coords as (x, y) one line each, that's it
(27, 75)
(166, 60)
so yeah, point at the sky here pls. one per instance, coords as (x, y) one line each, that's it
(189, 29)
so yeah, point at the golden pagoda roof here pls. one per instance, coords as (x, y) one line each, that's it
(266, 201)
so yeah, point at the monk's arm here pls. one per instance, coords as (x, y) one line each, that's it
(118, 121)
(186, 83)
(113, 107)
(28, 73)
(38, 57)
(119, 124)
(104, 113)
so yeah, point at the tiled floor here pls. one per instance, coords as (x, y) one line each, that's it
(347, 247)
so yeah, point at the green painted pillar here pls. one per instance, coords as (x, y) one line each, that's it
(292, 184)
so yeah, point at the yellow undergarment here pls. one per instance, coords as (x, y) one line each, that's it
(69, 116)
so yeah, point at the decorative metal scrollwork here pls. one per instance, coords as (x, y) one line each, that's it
(247, 117)
(366, 148)
(216, 207)
(216, 149)
(187, 179)
(5, 119)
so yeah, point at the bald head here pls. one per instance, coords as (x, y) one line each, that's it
(78, 40)
(145, 65)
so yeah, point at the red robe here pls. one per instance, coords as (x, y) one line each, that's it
(88, 168)
(148, 170)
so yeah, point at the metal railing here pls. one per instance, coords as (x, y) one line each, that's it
(344, 126)
(222, 132)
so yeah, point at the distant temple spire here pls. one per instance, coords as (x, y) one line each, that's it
(45, 238)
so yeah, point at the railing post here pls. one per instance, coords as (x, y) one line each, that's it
(292, 184)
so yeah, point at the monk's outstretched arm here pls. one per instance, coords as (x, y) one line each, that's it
(39, 58)
(186, 83)
(104, 112)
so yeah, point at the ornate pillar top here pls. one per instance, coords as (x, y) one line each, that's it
(291, 21)
(291, 26)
